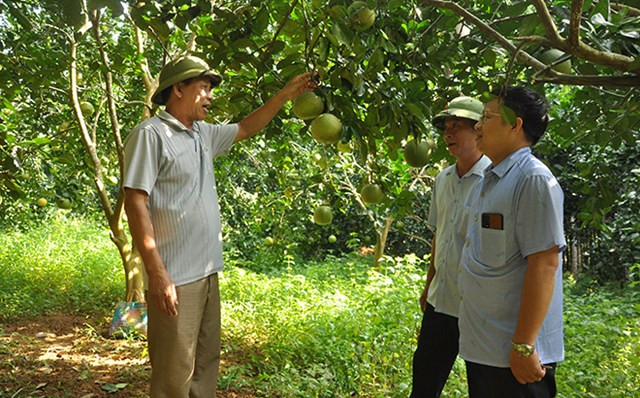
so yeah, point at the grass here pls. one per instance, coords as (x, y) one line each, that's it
(64, 265)
(335, 328)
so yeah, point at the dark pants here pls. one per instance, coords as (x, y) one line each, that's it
(436, 353)
(491, 382)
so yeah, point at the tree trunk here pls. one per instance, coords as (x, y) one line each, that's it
(574, 250)
(114, 214)
(381, 241)
(131, 260)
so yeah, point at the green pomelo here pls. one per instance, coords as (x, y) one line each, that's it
(308, 106)
(87, 108)
(371, 193)
(362, 16)
(417, 154)
(322, 215)
(288, 192)
(326, 129)
(64, 203)
(332, 239)
(552, 55)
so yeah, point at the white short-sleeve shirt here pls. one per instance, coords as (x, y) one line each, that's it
(447, 204)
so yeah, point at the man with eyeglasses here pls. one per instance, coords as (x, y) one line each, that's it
(438, 341)
(510, 316)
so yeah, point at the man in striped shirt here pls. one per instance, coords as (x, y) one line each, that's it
(172, 206)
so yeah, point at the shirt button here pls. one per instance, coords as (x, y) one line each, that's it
(475, 219)
(482, 194)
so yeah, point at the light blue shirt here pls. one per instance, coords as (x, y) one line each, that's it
(447, 204)
(494, 261)
(174, 166)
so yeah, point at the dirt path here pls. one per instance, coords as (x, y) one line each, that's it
(67, 356)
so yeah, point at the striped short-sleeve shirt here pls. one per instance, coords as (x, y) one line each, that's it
(174, 166)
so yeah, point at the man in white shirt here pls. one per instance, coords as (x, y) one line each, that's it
(438, 341)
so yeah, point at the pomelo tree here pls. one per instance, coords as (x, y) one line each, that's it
(385, 68)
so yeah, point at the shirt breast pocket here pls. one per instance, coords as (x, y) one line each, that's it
(493, 243)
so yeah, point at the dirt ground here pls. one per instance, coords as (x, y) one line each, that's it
(67, 356)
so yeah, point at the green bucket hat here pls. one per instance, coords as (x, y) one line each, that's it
(465, 107)
(182, 69)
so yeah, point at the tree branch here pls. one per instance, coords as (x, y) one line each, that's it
(547, 21)
(522, 56)
(150, 84)
(508, 19)
(282, 23)
(87, 141)
(574, 23)
(591, 80)
(582, 51)
(113, 116)
(59, 90)
(535, 39)
(634, 12)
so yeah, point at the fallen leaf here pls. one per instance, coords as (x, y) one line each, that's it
(41, 386)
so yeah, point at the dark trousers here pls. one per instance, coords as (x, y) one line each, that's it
(491, 382)
(436, 353)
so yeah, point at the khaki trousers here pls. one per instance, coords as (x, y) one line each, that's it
(185, 350)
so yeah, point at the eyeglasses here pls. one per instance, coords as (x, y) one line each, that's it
(486, 115)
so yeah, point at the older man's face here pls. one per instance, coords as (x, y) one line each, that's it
(197, 96)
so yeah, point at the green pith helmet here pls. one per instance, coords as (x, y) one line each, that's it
(182, 69)
(466, 107)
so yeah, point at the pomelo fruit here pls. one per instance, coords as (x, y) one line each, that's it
(371, 193)
(87, 108)
(64, 203)
(552, 55)
(362, 16)
(326, 129)
(307, 106)
(322, 215)
(417, 154)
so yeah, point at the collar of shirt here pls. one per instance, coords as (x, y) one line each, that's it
(503, 167)
(478, 167)
(173, 122)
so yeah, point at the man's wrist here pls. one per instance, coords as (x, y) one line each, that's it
(523, 350)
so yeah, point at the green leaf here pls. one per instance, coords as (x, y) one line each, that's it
(342, 33)
(599, 20)
(72, 12)
(602, 7)
(486, 96)
(508, 115)
(372, 117)
(261, 20)
(97, 4)
(415, 110)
